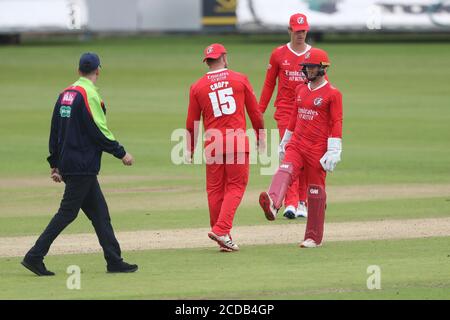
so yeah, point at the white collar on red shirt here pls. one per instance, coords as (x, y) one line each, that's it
(321, 86)
(308, 47)
(220, 70)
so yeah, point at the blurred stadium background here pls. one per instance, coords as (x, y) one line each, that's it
(18, 17)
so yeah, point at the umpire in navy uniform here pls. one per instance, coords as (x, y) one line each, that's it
(78, 137)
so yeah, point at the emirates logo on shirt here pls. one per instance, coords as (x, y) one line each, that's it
(318, 101)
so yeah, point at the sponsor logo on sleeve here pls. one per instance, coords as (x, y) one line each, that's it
(68, 98)
(64, 111)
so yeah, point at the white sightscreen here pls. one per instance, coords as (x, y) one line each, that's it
(42, 15)
(347, 15)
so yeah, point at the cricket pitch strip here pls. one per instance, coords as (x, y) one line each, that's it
(243, 235)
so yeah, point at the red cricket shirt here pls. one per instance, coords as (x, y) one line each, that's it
(285, 65)
(317, 117)
(221, 98)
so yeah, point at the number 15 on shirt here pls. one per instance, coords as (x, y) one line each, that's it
(223, 102)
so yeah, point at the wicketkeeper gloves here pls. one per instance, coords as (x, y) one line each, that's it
(333, 155)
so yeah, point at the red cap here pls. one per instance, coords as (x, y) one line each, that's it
(214, 51)
(298, 22)
(316, 56)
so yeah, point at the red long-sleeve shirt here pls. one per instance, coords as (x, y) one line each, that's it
(285, 66)
(317, 117)
(221, 98)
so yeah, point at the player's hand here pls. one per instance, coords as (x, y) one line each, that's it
(261, 146)
(188, 157)
(128, 159)
(261, 143)
(262, 108)
(333, 156)
(55, 175)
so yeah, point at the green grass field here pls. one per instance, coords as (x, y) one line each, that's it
(396, 133)
(409, 270)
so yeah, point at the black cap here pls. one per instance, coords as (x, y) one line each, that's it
(89, 62)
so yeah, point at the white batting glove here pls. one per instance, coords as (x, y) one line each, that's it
(282, 147)
(333, 155)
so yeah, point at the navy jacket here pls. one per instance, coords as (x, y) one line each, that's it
(78, 134)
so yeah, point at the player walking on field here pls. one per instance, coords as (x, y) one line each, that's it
(284, 66)
(221, 97)
(312, 142)
(78, 137)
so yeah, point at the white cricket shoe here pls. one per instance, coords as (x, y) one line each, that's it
(302, 210)
(224, 241)
(290, 212)
(309, 243)
(266, 204)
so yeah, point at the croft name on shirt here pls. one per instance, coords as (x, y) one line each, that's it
(219, 85)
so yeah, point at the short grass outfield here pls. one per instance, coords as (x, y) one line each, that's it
(415, 268)
(396, 133)
(395, 102)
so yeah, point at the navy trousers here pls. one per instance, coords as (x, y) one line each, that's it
(81, 192)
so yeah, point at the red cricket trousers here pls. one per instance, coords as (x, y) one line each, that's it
(225, 186)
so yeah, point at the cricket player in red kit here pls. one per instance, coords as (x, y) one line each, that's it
(312, 142)
(221, 97)
(284, 66)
